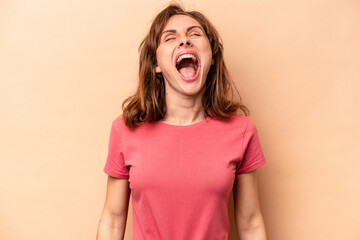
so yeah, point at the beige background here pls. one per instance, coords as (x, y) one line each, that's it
(66, 66)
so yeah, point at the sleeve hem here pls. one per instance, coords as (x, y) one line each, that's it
(257, 164)
(116, 174)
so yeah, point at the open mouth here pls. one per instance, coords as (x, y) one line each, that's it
(187, 65)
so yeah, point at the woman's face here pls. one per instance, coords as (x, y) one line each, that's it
(184, 55)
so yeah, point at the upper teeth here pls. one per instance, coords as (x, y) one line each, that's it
(186, 56)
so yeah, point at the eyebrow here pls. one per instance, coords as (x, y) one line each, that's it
(174, 31)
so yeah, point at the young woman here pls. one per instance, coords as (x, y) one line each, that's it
(180, 147)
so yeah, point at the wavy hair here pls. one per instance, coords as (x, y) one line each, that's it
(148, 103)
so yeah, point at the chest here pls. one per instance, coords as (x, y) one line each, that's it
(183, 163)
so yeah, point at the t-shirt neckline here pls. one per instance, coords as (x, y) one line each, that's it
(205, 120)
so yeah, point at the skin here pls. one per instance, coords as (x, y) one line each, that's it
(113, 219)
(183, 99)
(249, 221)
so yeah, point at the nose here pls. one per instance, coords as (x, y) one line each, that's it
(185, 42)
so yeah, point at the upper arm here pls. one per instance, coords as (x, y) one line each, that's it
(117, 196)
(246, 201)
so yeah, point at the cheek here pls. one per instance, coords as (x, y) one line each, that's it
(163, 56)
(206, 48)
(158, 55)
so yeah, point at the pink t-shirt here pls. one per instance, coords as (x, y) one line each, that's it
(181, 177)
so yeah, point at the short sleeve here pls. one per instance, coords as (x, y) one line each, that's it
(253, 156)
(115, 163)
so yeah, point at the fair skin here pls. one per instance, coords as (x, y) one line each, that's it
(248, 217)
(183, 99)
(184, 107)
(114, 215)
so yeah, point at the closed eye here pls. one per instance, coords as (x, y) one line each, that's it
(169, 39)
(194, 34)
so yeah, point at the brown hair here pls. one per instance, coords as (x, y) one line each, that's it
(148, 103)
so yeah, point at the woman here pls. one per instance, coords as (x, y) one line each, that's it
(180, 147)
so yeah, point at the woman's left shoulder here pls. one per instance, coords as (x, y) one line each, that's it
(245, 121)
(239, 117)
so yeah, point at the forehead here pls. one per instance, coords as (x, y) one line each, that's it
(180, 22)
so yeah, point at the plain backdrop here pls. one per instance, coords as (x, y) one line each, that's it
(66, 66)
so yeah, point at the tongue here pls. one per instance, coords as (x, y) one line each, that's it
(187, 71)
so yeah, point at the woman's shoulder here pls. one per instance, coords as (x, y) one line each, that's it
(240, 117)
(247, 122)
(119, 118)
(237, 118)
(118, 123)
(235, 121)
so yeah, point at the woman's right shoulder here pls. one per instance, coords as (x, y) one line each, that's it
(119, 118)
(118, 122)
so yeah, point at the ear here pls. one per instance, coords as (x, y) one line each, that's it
(157, 69)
